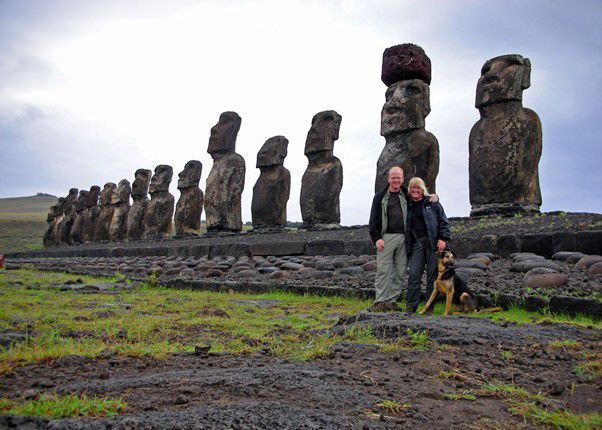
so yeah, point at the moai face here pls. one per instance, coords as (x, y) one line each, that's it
(273, 152)
(323, 132)
(122, 192)
(55, 211)
(191, 175)
(407, 105)
(93, 196)
(82, 200)
(503, 79)
(223, 134)
(161, 179)
(142, 179)
(107, 194)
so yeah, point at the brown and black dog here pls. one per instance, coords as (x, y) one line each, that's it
(454, 287)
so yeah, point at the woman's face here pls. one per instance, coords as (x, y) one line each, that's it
(416, 193)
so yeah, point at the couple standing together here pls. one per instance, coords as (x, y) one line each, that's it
(408, 227)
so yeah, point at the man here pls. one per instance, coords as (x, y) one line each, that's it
(387, 227)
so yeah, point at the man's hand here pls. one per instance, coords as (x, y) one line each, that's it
(433, 198)
(380, 245)
(441, 245)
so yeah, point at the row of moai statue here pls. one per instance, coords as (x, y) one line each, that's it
(504, 146)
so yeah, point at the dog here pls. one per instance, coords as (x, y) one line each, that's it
(451, 285)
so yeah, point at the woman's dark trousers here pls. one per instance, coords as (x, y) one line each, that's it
(422, 254)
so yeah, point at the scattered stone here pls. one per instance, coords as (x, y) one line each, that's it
(568, 256)
(595, 269)
(546, 280)
(353, 271)
(588, 261)
(370, 266)
(525, 266)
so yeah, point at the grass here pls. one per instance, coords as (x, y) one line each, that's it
(589, 370)
(464, 395)
(522, 316)
(392, 406)
(55, 406)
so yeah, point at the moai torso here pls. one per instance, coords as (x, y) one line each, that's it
(68, 218)
(406, 71)
(190, 204)
(135, 221)
(103, 221)
(159, 212)
(505, 144)
(226, 180)
(91, 214)
(121, 206)
(272, 189)
(323, 179)
(77, 230)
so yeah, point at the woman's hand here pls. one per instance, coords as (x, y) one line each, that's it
(441, 245)
(380, 245)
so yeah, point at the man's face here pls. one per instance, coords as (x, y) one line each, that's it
(395, 179)
(406, 106)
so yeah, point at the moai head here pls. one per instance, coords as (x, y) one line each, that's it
(55, 210)
(122, 192)
(161, 179)
(142, 179)
(223, 134)
(82, 200)
(323, 132)
(407, 105)
(503, 79)
(60, 206)
(107, 194)
(405, 62)
(191, 175)
(273, 152)
(93, 196)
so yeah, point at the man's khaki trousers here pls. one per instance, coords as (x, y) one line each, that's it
(391, 271)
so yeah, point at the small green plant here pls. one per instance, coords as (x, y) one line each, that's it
(517, 216)
(392, 406)
(448, 374)
(589, 371)
(511, 391)
(561, 419)
(506, 355)
(151, 279)
(464, 395)
(418, 338)
(568, 343)
(562, 214)
(73, 405)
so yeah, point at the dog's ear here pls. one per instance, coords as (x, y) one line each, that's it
(452, 252)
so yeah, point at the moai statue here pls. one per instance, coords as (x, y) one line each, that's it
(406, 71)
(227, 177)
(91, 214)
(53, 218)
(505, 144)
(159, 211)
(190, 203)
(103, 221)
(135, 222)
(121, 207)
(77, 230)
(323, 179)
(272, 189)
(68, 218)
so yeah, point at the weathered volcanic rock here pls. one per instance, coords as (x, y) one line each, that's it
(272, 189)
(103, 222)
(91, 214)
(77, 229)
(121, 207)
(407, 143)
(135, 221)
(403, 62)
(505, 144)
(190, 203)
(54, 215)
(323, 179)
(159, 211)
(226, 180)
(68, 218)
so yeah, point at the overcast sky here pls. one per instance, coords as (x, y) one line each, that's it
(90, 91)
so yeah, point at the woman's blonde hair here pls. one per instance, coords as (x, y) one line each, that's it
(416, 181)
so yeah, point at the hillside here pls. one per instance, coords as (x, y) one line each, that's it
(23, 222)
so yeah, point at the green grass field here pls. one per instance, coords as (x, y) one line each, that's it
(23, 222)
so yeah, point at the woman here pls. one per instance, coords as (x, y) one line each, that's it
(427, 232)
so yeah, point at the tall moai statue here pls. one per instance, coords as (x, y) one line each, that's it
(227, 177)
(68, 218)
(323, 179)
(135, 221)
(190, 203)
(406, 71)
(272, 189)
(91, 214)
(121, 207)
(505, 144)
(53, 218)
(77, 230)
(159, 211)
(103, 221)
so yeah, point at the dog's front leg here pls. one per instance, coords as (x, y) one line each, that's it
(448, 301)
(429, 301)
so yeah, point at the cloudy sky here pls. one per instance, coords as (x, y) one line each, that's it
(92, 90)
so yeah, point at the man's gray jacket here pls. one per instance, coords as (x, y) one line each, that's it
(378, 212)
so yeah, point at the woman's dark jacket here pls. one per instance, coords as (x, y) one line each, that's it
(437, 225)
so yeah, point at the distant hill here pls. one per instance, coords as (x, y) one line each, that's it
(23, 221)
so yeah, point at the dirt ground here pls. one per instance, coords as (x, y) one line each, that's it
(441, 384)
